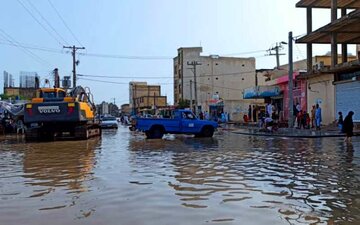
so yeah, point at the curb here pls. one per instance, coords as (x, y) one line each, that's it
(288, 135)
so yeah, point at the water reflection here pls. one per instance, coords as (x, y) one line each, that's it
(304, 180)
(228, 179)
(60, 164)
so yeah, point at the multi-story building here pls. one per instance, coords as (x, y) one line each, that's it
(344, 74)
(144, 97)
(215, 83)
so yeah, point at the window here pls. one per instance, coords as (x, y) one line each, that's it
(188, 115)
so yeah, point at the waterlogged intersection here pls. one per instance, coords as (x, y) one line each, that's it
(229, 179)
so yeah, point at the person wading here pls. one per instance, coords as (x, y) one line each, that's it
(318, 118)
(348, 126)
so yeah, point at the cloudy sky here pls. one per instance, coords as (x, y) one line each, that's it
(135, 40)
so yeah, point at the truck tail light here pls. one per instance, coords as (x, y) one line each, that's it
(29, 109)
(71, 107)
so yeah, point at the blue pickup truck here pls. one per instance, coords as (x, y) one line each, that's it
(181, 122)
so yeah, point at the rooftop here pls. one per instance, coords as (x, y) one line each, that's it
(350, 4)
(347, 29)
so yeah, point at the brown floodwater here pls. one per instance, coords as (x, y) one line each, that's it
(229, 179)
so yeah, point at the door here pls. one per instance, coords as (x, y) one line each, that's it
(347, 95)
(189, 123)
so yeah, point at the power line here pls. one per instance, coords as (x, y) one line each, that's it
(166, 77)
(47, 49)
(123, 77)
(122, 83)
(63, 21)
(127, 56)
(112, 82)
(32, 47)
(47, 22)
(75, 63)
(26, 51)
(32, 15)
(244, 53)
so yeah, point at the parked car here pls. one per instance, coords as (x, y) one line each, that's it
(181, 122)
(109, 122)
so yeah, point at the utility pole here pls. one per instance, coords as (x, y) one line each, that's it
(277, 49)
(191, 97)
(73, 52)
(291, 103)
(194, 64)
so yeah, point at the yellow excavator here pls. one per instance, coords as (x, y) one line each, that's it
(56, 113)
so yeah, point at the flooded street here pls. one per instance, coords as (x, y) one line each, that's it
(229, 179)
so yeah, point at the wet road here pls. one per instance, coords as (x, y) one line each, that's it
(229, 179)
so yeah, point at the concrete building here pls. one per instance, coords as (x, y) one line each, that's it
(144, 98)
(342, 30)
(220, 82)
(125, 109)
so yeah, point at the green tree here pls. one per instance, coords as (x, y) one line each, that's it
(183, 104)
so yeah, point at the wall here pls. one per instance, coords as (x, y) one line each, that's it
(238, 108)
(322, 91)
(150, 101)
(225, 76)
(27, 93)
(125, 108)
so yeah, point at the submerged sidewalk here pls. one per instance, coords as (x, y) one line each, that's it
(287, 132)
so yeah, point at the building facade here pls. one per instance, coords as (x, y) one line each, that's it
(213, 81)
(144, 98)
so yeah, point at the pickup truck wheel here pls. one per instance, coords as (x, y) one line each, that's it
(155, 133)
(148, 134)
(207, 132)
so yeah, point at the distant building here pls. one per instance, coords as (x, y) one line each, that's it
(104, 108)
(220, 82)
(29, 80)
(8, 80)
(125, 109)
(145, 98)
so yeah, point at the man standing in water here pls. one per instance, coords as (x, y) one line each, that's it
(348, 126)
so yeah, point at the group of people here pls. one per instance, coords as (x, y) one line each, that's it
(11, 125)
(305, 120)
(124, 119)
(222, 117)
(346, 125)
(268, 121)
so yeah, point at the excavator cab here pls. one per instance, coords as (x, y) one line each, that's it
(49, 94)
(52, 93)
